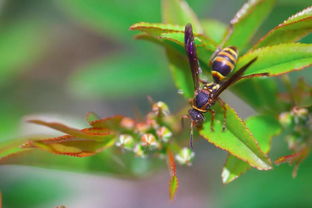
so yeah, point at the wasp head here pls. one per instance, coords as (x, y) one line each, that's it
(196, 116)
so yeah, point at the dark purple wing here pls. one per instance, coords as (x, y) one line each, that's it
(236, 76)
(190, 49)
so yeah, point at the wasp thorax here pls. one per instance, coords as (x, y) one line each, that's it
(201, 98)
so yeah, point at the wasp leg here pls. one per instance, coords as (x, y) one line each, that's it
(222, 103)
(213, 113)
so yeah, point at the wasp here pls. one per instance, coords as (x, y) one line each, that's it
(206, 94)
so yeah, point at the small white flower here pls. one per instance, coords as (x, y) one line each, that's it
(185, 156)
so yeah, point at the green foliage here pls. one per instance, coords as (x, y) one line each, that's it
(263, 127)
(236, 139)
(293, 29)
(246, 22)
(247, 142)
(278, 59)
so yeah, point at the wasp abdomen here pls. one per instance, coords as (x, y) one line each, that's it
(224, 63)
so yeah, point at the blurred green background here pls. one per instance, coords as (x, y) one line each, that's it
(62, 58)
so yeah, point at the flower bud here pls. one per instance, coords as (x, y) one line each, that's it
(125, 141)
(142, 127)
(160, 108)
(185, 156)
(139, 151)
(164, 133)
(285, 119)
(301, 115)
(127, 123)
(149, 140)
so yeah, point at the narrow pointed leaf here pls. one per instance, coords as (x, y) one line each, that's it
(99, 134)
(278, 59)
(179, 12)
(246, 22)
(293, 29)
(263, 127)
(294, 159)
(173, 186)
(11, 148)
(71, 146)
(176, 32)
(173, 183)
(112, 123)
(236, 139)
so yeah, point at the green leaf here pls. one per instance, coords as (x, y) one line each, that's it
(278, 59)
(236, 139)
(156, 29)
(214, 29)
(246, 22)
(179, 12)
(112, 123)
(263, 127)
(260, 93)
(204, 46)
(181, 72)
(174, 33)
(92, 134)
(10, 148)
(293, 29)
(71, 146)
(178, 64)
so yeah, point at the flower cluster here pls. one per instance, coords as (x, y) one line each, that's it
(298, 125)
(152, 136)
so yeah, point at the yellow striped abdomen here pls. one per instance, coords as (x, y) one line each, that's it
(223, 63)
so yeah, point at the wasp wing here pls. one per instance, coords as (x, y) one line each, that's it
(190, 49)
(236, 76)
